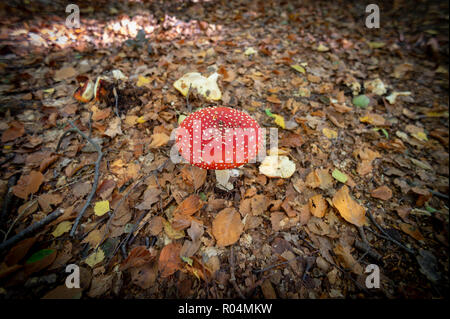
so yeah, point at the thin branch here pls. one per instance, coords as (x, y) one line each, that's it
(96, 175)
(29, 230)
(276, 265)
(387, 236)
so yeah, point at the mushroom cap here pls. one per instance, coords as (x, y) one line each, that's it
(219, 138)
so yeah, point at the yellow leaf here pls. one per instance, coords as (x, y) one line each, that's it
(329, 133)
(420, 136)
(62, 228)
(298, 68)
(279, 120)
(322, 48)
(101, 208)
(205, 86)
(95, 258)
(350, 210)
(172, 233)
(142, 80)
(249, 51)
(141, 120)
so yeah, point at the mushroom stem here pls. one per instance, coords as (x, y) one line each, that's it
(223, 177)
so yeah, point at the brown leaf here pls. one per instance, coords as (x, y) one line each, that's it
(227, 227)
(144, 276)
(40, 264)
(189, 206)
(15, 130)
(18, 252)
(194, 175)
(155, 225)
(100, 285)
(28, 184)
(46, 200)
(343, 252)
(158, 140)
(382, 192)
(137, 257)
(279, 221)
(267, 289)
(47, 162)
(318, 205)
(412, 231)
(106, 188)
(64, 73)
(151, 196)
(169, 259)
(350, 210)
(81, 189)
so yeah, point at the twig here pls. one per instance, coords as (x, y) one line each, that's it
(276, 265)
(438, 194)
(29, 230)
(233, 278)
(363, 247)
(387, 236)
(96, 175)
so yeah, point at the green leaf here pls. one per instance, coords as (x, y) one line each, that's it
(41, 254)
(268, 112)
(431, 209)
(338, 175)
(376, 45)
(361, 101)
(203, 197)
(187, 260)
(386, 134)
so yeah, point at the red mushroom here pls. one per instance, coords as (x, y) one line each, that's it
(219, 138)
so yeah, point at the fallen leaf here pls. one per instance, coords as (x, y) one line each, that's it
(339, 176)
(169, 259)
(18, 252)
(96, 257)
(114, 128)
(62, 292)
(158, 140)
(227, 227)
(28, 184)
(189, 206)
(39, 261)
(101, 208)
(412, 231)
(151, 196)
(329, 133)
(343, 252)
(15, 130)
(350, 210)
(137, 257)
(62, 228)
(298, 68)
(64, 73)
(382, 192)
(361, 101)
(317, 206)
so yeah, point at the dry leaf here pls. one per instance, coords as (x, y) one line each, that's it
(382, 192)
(28, 184)
(169, 259)
(189, 206)
(15, 130)
(137, 257)
(158, 140)
(317, 205)
(350, 210)
(227, 227)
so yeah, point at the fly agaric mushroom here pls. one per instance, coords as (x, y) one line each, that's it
(219, 138)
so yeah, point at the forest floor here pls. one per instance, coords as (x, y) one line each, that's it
(363, 114)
